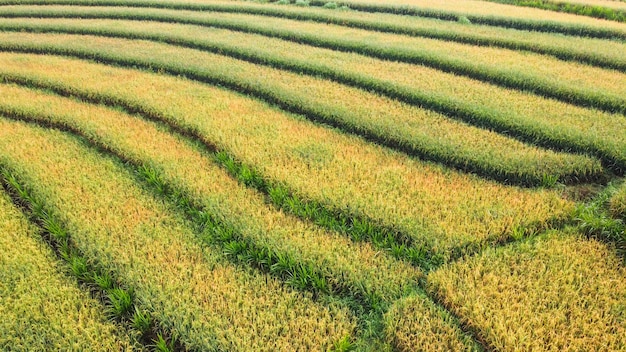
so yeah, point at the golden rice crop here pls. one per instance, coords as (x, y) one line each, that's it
(182, 165)
(429, 202)
(507, 62)
(551, 117)
(494, 9)
(579, 78)
(559, 292)
(413, 325)
(613, 4)
(41, 308)
(612, 51)
(187, 288)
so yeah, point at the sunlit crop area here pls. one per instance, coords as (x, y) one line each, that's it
(315, 176)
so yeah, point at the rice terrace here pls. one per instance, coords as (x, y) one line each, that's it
(312, 175)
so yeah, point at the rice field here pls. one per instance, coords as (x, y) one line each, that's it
(338, 176)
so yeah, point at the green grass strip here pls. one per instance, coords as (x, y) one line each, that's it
(425, 28)
(521, 24)
(576, 9)
(472, 160)
(118, 298)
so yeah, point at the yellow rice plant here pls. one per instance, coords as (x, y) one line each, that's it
(182, 165)
(426, 201)
(406, 123)
(207, 303)
(560, 292)
(485, 8)
(608, 50)
(411, 326)
(41, 308)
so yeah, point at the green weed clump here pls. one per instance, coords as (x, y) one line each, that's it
(548, 25)
(618, 203)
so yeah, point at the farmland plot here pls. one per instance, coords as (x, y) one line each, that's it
(245, 176)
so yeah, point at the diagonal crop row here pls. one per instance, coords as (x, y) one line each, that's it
(447, 60)
(205, 302)
(298, 154)
(119, 299)
(573, 29)
(357, 227)
(195, 122)
(32, 276)
(573, 8)
(591, 52)
(383, 121)
(497, 21)
(213, 229)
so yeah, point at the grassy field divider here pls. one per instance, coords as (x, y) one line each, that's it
(118, 299)
(357, 227)
(450, 107)
(496, 21)
(388, 27)
(518, 81)
(601, 12)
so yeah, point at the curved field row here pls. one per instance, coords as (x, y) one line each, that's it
(595, 52)
(418, 132)
(487, 14)
(339, 171)
(41, 308)
(184, 168)
(608, 10)
(566, 81)
(557, 292)
(494, 14)
(208, 304)
(356, 267)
